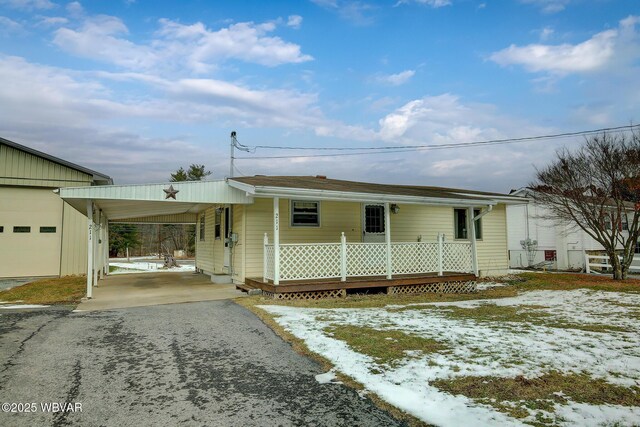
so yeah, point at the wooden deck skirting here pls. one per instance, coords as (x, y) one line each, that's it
(399, 284)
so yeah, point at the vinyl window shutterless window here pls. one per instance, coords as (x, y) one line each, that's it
(217, 229)
(202, 227)
(460, 223)
(22, 229)
(47, 229)
(305, 213)
(374, 219)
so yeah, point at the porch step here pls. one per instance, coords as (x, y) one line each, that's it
(249, 289)
(221, 279)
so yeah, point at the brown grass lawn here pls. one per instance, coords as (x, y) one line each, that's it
(59, 290)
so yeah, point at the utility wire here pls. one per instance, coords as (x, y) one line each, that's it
(411, 148)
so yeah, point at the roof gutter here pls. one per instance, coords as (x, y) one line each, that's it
(311, 194)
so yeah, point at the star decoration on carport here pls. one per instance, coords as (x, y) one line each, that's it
(170, 192)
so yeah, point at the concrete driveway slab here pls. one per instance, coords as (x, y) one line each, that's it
(139, 290)
(209, 363)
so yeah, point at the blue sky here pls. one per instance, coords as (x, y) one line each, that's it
(136, 89)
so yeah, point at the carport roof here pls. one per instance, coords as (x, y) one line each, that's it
(145, 200)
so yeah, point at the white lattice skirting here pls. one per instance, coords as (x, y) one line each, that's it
(456, 287)
(310, 295)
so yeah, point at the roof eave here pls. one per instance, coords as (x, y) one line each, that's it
(300, 193)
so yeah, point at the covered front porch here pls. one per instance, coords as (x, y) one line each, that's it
(342, 265)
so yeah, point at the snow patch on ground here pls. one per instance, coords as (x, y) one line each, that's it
(328, 378)
(502, 349)
(18, 306)
(146, 267)
(483, 286)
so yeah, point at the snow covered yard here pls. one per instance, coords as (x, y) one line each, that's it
(146, 265)
(541, 357)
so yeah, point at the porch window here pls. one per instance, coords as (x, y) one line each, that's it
(374, 219)
(217, 228)
(201, 232)
(460, 223)
(305, 213)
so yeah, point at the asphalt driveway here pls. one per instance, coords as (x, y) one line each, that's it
(208, 363)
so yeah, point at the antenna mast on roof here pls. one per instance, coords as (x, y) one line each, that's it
(235, 144)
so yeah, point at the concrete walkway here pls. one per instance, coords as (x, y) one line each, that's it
(145, 289)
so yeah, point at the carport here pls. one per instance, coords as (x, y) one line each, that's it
(139, 290)
(169, 203)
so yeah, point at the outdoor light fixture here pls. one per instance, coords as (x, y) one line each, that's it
(395, 208)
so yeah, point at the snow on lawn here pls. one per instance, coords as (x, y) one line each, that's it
(19, 306)
(146, 267)
(485, 348)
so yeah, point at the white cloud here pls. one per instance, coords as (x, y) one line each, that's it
(9, 26)
(28, 4)
(52, 21)
(589, 55)
(294, 21)
(246, 41)
(432, 3)
(75, 9)
(549, 6)
(106, 39)
(614, 49)
(98, 39)
(354, 11)
(398, 78)
(546, 33)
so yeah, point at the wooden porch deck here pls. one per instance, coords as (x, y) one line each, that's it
(398, 284)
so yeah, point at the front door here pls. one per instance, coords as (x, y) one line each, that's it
(373, 223)
(227, 239)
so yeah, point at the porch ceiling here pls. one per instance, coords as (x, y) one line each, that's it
(138, 201)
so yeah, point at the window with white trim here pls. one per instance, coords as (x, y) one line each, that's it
(217, 227)
(305, 213)
(374, 219)
(460, 223)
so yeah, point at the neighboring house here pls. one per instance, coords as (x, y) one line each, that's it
(278, 229)
(40, 235)
(559, 246)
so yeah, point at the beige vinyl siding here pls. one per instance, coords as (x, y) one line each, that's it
(218, 244)
(413, 221)
(407, 225)
(238, 253)
(493, 254)
(33, 253)
(335, 218)
(18, 168)
(204, 248)
(74, 242)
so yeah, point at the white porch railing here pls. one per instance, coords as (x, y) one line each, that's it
(341, 260)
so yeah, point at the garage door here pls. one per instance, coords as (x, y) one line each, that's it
(31, 230)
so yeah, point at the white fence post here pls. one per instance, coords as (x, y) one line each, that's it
(387, 238)
(587, 268)
(264, 258)
(343, 257)
(440, 250)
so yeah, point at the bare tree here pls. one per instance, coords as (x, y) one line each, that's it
(597, 188)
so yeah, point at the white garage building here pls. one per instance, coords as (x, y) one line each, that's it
(40, 234)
